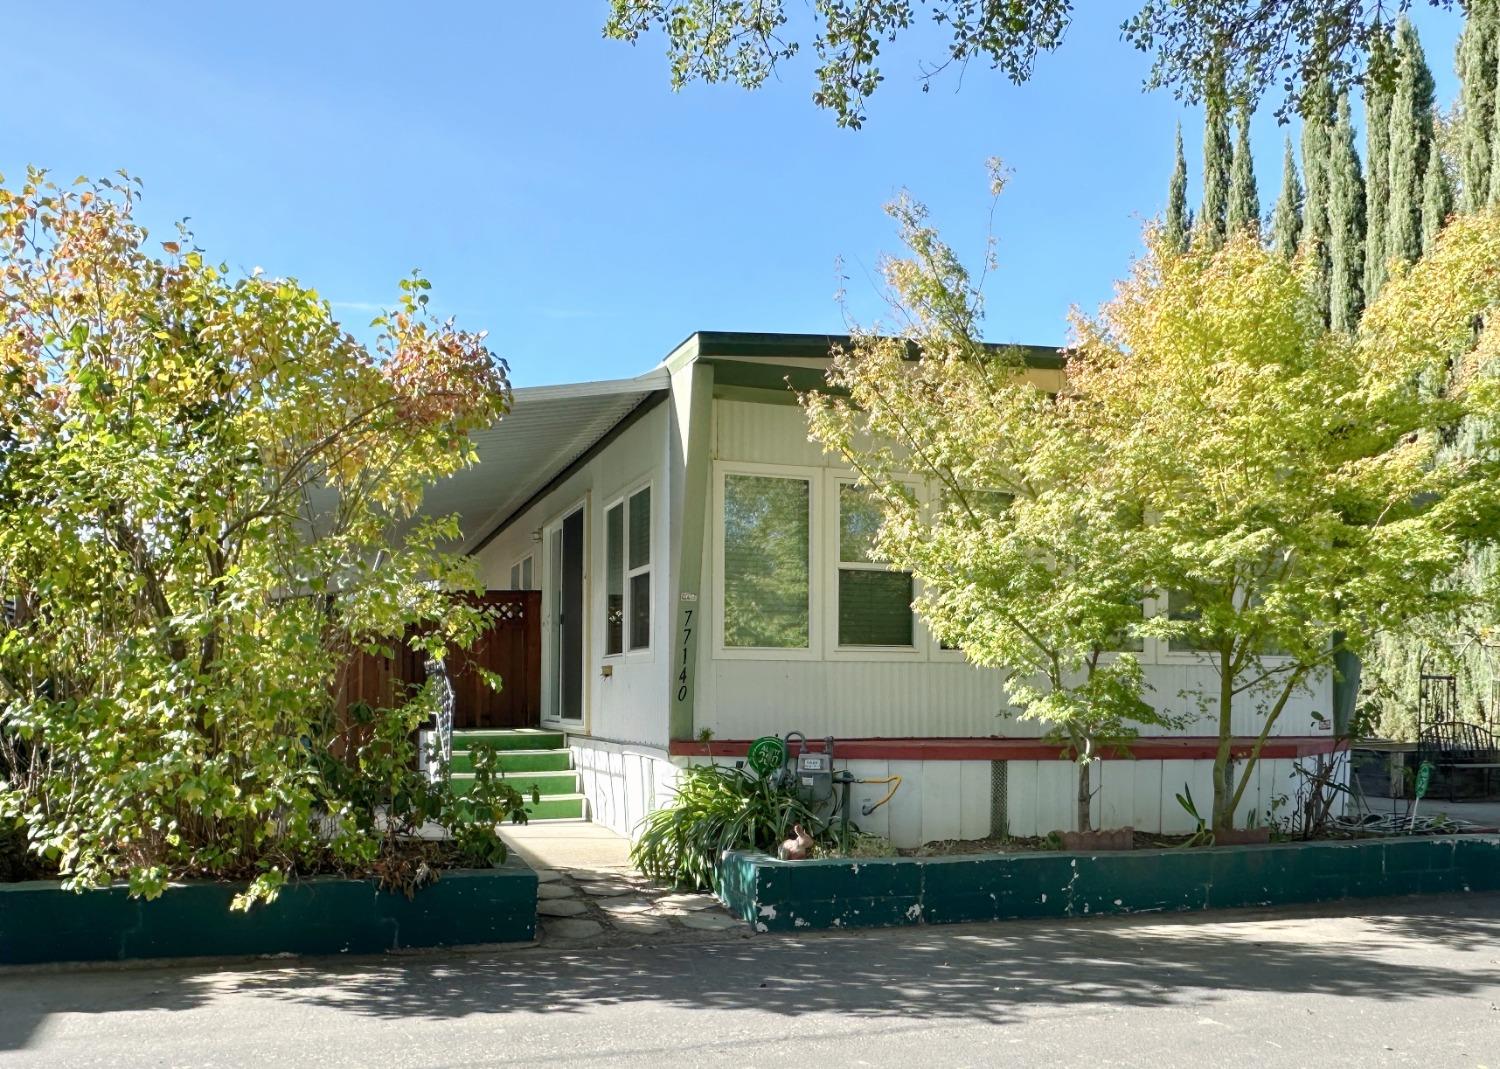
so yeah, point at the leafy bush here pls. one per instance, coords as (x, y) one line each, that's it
(716, 808)
(209, 496)
(383, 802)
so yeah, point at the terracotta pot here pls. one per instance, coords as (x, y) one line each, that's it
(1112, 839)
(1242, 836)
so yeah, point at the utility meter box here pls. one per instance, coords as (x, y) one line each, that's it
(815, 776)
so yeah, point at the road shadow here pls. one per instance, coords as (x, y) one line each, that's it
(983, 973)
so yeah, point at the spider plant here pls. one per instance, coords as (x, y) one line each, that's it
(716, 808)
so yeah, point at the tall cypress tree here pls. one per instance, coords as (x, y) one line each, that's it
(1213, 218)
(1286, 220)
(1346, 224)
(1494, 192)
(1317, 128)
(1244, 197)
(1378, 160)
(1476, 72)
(1437, 202)
(1177, 224)
(1411, 144)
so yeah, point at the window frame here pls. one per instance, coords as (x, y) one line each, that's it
(1164, 653)
(518, 571)
(921, 638)
(931, 491)
(1146, 655)
(622, 500)
(813, 651)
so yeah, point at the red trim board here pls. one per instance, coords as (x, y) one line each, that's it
(1189, 748)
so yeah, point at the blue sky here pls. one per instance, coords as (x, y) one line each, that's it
(558, 194)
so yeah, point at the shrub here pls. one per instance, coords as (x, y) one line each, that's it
(209, 496)
(716, 808)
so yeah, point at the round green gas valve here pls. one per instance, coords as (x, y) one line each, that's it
(767, 754)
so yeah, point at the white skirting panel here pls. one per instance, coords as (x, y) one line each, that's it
(940, 800)
(622, 783)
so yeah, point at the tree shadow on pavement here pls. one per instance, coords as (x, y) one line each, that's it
(986, 973)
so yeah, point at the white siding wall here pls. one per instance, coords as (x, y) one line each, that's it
(940, 800)
(622, 783)
(621, 748)
(934, 695)
(630, 705)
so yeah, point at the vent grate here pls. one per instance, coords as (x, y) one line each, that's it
(999, 799)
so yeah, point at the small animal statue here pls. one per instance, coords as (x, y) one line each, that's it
(799, 847)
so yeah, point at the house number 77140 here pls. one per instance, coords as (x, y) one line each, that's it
(687, 633)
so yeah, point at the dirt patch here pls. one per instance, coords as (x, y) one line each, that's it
(1024, 844)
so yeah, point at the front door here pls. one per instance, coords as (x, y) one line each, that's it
(565, 657)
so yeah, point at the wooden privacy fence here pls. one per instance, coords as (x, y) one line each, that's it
(511, 648)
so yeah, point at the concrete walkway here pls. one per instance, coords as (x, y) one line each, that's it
(568, 844)
(588, 894)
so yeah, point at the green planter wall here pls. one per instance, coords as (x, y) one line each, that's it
(774, 895)
(41, 922)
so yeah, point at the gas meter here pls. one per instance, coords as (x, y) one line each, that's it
(814, 774)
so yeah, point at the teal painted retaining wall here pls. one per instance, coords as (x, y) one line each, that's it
(41, 922)
(774, 895)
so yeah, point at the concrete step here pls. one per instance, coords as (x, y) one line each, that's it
(546, 783)
(508, 739)
(557, 806)
(513, 761)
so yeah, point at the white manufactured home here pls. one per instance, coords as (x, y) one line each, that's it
(698, 589)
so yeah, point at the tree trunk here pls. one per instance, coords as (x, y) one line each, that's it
(1085, 794)
(1222, 817)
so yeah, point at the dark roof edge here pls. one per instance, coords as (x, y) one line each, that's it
(760, 345)
(624, 423)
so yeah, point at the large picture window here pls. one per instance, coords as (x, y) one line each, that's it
(767, 548)
(627, 574)
(874, 602)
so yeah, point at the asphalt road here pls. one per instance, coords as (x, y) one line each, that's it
(1402, 982)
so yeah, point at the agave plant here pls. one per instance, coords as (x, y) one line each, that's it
(716, 808)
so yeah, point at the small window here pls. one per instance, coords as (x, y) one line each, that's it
(638, 574)
(520, 574)
(614, 580)
(1180, 608)
(874, 601)
(627, 574)
(1122, 641)
(767, 546)
(982, 504)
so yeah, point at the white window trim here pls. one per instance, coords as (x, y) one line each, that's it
(517, 570)
(921, 639)
(545, 556)
(1146, 655)
(643, 654)
(813, 651)
(1164, 654)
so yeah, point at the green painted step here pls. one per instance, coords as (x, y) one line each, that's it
(557, 807)
(509, 739)
(513, 761)
(546, 783)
